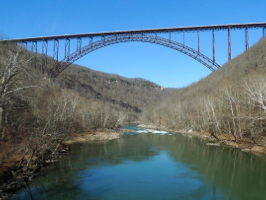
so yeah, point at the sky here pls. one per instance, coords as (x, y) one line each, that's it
(164, 66)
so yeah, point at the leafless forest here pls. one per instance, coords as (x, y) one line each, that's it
(229, 103)
(38, 113)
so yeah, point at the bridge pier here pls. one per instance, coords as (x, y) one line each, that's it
(213, 46)
(34, 51)
(246, 38)
(55, 52)
(264, 32)
(198, 42)
(229, 43)
(44, 56)
(183, 39)
(25, 45)
(90, 40)
(67, 48)
(79, 44)
(169, 35)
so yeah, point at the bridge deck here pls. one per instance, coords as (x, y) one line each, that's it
(144, 31)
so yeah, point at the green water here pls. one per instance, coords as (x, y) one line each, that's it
(158, 165)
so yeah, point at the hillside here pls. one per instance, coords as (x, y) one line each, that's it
(37, 113)
(133, 94)
(230, 102)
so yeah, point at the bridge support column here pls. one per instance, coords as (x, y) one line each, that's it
(67, 48)
(183, 39)
(198, 42)
(246, 38)
(155, 34)
(213, 46)
(25, 45)
(79, 44)
(44, 56)
(229, 43)
(55, 52)
(90, 40)
(34, 51)
(264, 32)
(169, 35)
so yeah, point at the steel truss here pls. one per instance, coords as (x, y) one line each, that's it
(106, 41)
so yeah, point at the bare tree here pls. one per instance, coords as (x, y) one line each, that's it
(12, 69)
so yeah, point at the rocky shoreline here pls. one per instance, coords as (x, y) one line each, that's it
(19, 177)
(245, 145)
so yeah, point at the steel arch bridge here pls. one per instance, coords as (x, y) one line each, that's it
(144, 35)
(80, 52)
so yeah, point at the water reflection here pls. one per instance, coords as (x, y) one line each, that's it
(150, 166)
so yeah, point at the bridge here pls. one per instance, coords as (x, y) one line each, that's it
(102, 39)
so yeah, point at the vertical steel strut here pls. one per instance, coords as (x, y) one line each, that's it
(264, 32)
(229, 43)
(183, 39)
(34, 51)
(169, 35)
(44, 56)
(79, 44)
(25, 45)
(155, 34)
(55, 52)
(213, 46)
(67, 48)
(246, 38)
(90, 40)
(198, 42)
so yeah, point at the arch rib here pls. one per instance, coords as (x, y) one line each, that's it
(55, 71)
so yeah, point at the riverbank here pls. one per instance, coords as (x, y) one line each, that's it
(245, 144)
(14, 177)
(95, 135)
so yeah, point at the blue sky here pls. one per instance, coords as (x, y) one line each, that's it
(166, 67)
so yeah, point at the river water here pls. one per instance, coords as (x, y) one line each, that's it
(148, 164)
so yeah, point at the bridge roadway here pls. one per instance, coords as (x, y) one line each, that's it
(149, 31)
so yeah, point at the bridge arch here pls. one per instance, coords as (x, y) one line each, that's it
(103, 42)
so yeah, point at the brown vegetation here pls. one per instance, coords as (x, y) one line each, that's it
(230, 103)
(38, 114)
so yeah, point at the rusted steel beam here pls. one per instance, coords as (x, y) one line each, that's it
(145, 31)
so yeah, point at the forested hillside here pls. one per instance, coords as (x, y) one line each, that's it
(231, 102)
(38, 113)
(130, 94)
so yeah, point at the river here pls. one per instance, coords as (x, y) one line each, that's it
(147, 164)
